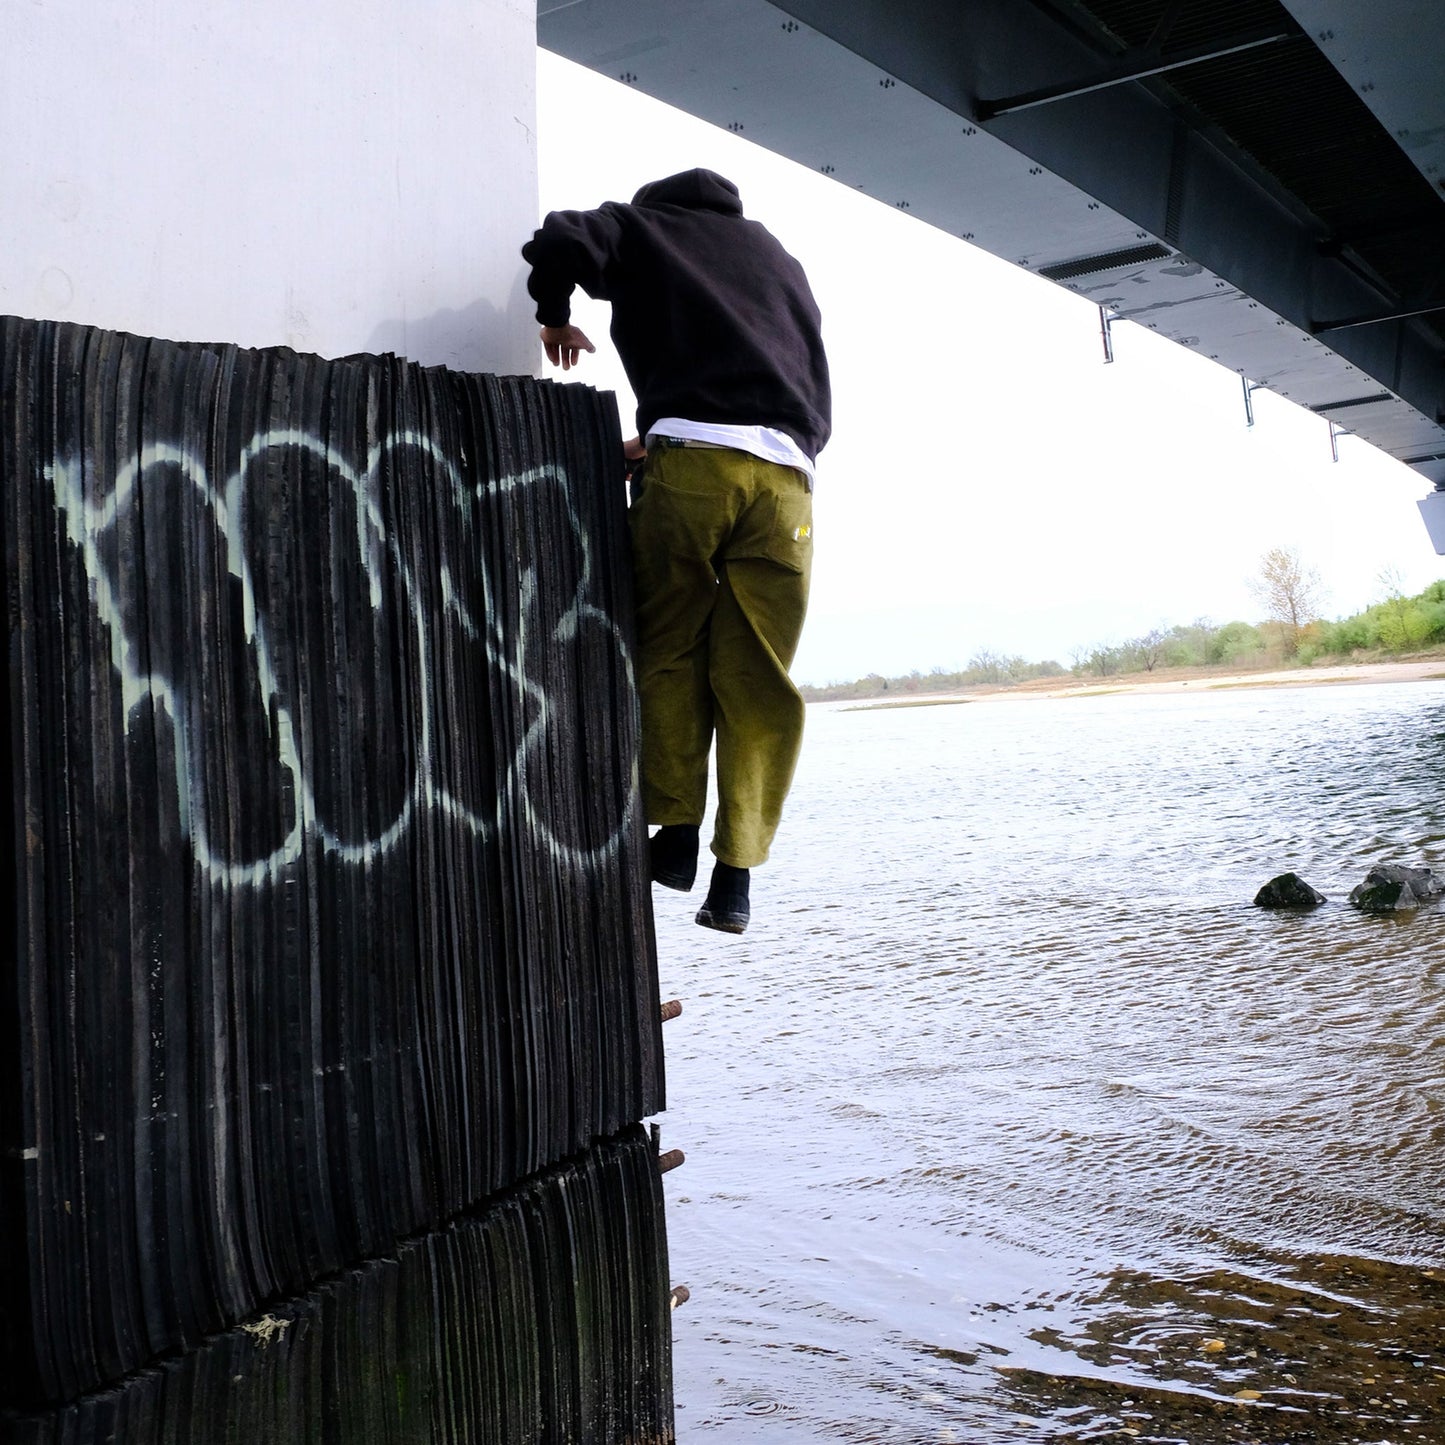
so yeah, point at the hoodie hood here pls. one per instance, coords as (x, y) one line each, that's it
(698, 190)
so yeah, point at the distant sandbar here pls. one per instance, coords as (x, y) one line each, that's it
(1172, 680)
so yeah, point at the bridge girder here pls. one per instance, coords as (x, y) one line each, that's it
(1259, 180)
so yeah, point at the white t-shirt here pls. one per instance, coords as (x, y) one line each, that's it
(758, 441)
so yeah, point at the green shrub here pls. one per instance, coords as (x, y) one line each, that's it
(1350, 634)
(1403, 628)
(1236, 642)
(1433, 609)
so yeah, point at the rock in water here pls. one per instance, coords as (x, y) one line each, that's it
(1389, 887)
(1383, 896)
(1288, 890)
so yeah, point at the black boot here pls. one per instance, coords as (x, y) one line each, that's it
(672, 856)
(726, 905)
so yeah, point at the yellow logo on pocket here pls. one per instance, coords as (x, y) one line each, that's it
(801, 534)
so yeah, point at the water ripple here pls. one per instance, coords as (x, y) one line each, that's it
(1010, 1106)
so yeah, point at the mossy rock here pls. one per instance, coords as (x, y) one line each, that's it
(1383, 897)
(1389, 888)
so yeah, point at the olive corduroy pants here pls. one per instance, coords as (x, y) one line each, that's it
(722, 553)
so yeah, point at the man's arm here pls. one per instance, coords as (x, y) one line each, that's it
(572, 248)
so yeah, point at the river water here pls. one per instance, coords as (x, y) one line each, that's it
(1011, 1118)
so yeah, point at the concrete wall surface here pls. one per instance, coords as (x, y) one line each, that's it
(336, 176)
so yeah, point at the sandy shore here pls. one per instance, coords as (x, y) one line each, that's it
(1176, 680)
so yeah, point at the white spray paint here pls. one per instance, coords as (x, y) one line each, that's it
(87, 522)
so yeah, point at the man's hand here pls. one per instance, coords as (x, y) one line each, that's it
(634, 454)
(565, 344)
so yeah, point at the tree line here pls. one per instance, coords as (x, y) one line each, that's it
(1291, 631)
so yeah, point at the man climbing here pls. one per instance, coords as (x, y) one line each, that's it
(720, 338)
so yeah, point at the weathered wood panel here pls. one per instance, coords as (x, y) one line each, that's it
(542, 1317)
(328, 913)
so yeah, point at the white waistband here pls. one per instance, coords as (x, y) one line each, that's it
(759, 441)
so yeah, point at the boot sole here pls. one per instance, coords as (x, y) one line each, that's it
(723, 922)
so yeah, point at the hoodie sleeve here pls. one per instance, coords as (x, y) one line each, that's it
(573, 248)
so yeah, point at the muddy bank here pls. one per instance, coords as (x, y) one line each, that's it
(1335, 1349)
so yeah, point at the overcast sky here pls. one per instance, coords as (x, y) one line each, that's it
(990, 481)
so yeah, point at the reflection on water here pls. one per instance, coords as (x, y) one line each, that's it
(1012, 1119)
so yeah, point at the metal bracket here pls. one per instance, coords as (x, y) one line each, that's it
(1250, 387)
(1106, 323)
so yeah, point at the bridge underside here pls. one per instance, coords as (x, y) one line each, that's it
(1260, 180)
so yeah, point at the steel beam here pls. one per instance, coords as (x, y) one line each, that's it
(1375, 318)
(1131, 201)
(1136, 65)
(1126, 148)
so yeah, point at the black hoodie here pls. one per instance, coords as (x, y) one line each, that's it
(712, 318)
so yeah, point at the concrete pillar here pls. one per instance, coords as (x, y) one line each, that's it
(333, 175)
